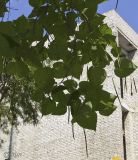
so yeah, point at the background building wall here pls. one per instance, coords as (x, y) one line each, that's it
(52, 139)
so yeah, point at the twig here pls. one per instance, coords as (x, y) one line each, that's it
(135, 85)
(116, 5)
(9, 10)
(13, 8)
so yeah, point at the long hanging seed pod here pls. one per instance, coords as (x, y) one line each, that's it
(69, 110)
(10, 145)
(86, 144)
(131, 88)
(121, 87)
(73, 133)
(125, 84)
(135, 85)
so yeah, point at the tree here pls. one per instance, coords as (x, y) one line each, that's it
(42, 57)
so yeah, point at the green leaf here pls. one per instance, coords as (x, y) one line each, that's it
(86, 53)
(104, 29)
(59, 70)
(37, 95)
(96, 75)
(84, 86)
(100, 58)
(36, 3)
(107, 97)
(71, 85)
(111, 40)
(22, 25)
(61, 109)
(7, 28)
(71, 19)
(74, 97)
(124, 67)
(59, 30)
(86, 118)
(18, 68)
(57, 89)
(1, 64)
(116, 51)
(5, 49)
(44, 79)
(89, 104)
(83, 31)
(48, 106)
(106, 105)
(100, 1)
(32, 56)
(12, 43)
(97, 21)
(3, 8)
(76, 70)
(91, 8)
(35, 32)
(77, 4)
(57, 50)
(107, 108)
(60, 97)
(96, 95)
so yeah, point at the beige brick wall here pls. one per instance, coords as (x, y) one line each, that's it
(52, 139)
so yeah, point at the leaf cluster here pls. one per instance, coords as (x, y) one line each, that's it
(42, 58)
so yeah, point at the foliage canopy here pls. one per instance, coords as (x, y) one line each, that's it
(42, 58)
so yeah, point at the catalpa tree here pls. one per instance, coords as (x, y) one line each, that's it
(42, 58)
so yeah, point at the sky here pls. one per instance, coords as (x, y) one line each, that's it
(127, 9)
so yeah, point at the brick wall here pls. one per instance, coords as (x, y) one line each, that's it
(52, 139)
